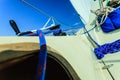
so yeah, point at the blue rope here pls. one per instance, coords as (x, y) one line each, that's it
(41, 68)
(91, 36)
(42, 57)
(106, 48)
(90, 29)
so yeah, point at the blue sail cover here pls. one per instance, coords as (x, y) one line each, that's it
(112, 21)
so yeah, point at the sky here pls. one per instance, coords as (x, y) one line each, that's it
(28, 18)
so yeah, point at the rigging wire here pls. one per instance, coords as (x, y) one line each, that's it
(47, 22)
(35, 8)
(45, 13)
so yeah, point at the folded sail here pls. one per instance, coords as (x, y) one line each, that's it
(83, 8)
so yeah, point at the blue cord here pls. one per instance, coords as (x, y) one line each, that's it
(91, 36)
(41, 67)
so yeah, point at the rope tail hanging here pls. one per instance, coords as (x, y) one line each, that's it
(41, 69)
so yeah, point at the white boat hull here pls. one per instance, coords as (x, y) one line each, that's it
(78, 51)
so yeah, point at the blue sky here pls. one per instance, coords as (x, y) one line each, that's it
(28, 18)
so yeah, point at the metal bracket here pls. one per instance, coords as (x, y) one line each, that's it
(107, 66)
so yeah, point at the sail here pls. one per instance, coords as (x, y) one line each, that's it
(83, 8)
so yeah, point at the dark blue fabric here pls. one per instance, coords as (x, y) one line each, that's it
(57, 32)
(107, 48)
(115, 18)
(107, 26)
(112, 21)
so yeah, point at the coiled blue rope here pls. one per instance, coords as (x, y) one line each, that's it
(106, 48)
